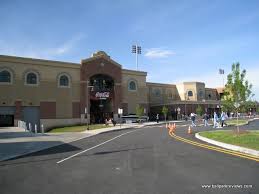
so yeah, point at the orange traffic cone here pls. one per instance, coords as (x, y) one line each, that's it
(171, 128)
(189, 130)
(168, 126)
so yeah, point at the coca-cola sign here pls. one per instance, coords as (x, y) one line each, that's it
(102, 94)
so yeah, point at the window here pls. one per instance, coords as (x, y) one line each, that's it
(209, 96)
(169, 95)
(31, 78)
(63, 81)
(101, 82)
(190, 93)
(5, 76)
(157, 92)
(132, 86)
(201, 94)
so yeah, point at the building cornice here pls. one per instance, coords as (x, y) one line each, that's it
(160, 84)
(100, 55)
(34, 61)
(134, 72)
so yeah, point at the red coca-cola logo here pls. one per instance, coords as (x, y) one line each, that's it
(102, 94)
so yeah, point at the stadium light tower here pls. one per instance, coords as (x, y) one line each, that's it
(137, 51)
(222, 72)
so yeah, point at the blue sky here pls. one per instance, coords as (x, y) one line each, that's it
(181, 40)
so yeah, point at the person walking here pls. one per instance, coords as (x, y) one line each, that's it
(157, 118)
(193, 119)
(215, 120)
(206, 118)
(223, 118)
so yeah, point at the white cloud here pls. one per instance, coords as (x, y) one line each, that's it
(37, 51)
(159, 53)
(66, 46)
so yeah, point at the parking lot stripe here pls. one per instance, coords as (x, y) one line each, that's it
(97, 146)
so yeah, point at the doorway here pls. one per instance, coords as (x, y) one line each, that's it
(100, 110)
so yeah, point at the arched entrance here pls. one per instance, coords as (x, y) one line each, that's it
(101, 98)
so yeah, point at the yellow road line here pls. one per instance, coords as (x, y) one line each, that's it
(226, 151)
(218, 149)
(214, 147)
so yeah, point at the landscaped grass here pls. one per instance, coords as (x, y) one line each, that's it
(78, 128)
(250, 139)
(235, 123)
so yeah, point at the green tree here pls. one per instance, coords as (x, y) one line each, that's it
(249, 105)
(165, 111)
(237, 91)
(199, 110)
(139, 111)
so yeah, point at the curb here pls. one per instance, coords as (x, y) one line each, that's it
(228, 146)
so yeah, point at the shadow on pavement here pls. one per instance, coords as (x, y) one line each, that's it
(66, 146)
(115, 151)
(8, 135)
(9, 149)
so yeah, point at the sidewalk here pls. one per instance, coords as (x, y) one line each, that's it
(16, 142)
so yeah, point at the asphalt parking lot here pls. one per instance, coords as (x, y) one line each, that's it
(144, 160)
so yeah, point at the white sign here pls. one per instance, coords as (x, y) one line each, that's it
(102, 94)
(120, 111)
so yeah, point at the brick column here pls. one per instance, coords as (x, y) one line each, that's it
(117, 98)
(18, 110)
(83, 97)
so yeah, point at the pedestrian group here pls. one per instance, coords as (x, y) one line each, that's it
(218, 119)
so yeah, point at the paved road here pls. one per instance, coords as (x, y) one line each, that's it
(145, 160)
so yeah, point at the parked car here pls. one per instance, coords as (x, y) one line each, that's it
(134, 119)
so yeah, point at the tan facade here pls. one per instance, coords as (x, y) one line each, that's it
(162, 93)
(183, 98)
(132, 98)
(64, 93)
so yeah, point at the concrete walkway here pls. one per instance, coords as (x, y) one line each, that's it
(15, 142)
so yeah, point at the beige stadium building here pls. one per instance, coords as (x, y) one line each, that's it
(55, 93)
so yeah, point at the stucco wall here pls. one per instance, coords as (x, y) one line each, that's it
(46, 90)
(168, 93)
(134, 98)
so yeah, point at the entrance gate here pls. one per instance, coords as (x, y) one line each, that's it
(101, 98)
(7, 116)
(31, 114)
